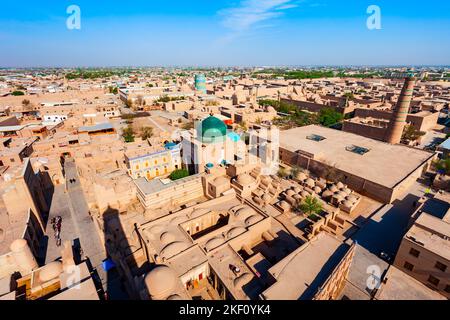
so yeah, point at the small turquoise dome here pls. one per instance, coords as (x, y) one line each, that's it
(234, 136)
(213, 129)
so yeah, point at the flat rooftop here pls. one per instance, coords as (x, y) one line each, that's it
(380, 164)
(156, 185)
(432, 234)
(304, 271)
(400, 286)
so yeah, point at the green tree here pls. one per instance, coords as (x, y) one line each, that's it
(443, 166)
(113, 90)
(146, 132)
(295, 170)
(311, 206)
(128, 134)
(411, 134)
(18, 93)
(282, 173)
(328, 117)
(349, 95)
(179, 174)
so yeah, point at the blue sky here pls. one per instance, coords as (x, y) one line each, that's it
(224, 33)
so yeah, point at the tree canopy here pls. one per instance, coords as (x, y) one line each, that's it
(310, 206)
(146, 132)
(128, 134)
(179, 174)
(329, 117)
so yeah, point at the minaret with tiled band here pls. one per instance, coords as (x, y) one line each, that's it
(398, 120)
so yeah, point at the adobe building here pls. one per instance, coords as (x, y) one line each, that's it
(217, 249)
(368, 166)
(315, 271)
(212, 144)
(151, 164)
(424, 252)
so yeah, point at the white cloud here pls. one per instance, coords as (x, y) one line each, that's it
(251, 12)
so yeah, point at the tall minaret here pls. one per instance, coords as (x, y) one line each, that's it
(398, 119)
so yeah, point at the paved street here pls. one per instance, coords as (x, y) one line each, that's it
(59, 207)
(90, 242)
(385, 229)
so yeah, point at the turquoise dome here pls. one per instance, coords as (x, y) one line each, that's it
(213, 129)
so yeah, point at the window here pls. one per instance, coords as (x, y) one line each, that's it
(12, 160)
(447, 288)
(315, 137)
(408, 266)
(414, 252)
(358, 150)
(440, 266)
(433, 280)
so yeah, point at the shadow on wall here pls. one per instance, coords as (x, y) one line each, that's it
(120, 264)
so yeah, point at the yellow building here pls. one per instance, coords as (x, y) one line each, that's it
(155, 164)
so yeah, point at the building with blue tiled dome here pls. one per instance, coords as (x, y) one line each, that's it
(213, 130)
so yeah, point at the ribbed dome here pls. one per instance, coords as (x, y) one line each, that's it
(161, 282)
(213, 129)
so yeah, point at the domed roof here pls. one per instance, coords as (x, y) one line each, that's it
(18, 245)
(235, 232)
(285, 205)
(347, 203)
(342, 194)
(327, 193)
(233, 136)
(174, 297)
(310, 182)
(213, 129)
(347, 190)
(167, 237)
(266, 180)
(301, 176)
(252, 219)
(221, 180)
(214, 243)
(244, 179)
(244, 212)
(333, 188)
(50, 271)
(173, 248)
(290, 192)
(161, 282)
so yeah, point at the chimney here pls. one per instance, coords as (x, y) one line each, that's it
(398, 119)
